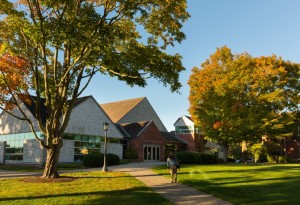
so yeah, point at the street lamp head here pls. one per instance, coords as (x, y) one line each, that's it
(105, 126)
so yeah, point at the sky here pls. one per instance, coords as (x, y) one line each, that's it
(258, 27)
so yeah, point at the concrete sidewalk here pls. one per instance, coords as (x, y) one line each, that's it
(175, 192)
(13, 174)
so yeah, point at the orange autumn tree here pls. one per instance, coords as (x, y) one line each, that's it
(235, 98)
(13, 80)
(66, 43)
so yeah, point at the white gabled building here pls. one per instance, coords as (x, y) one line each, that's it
(84, 132)
(185, 129)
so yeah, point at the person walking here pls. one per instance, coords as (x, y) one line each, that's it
(172, 164)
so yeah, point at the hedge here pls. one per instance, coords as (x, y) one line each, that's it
(95, 159)
(196, 158)
(131, 154)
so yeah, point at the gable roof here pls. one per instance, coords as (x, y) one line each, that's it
(133, 129)
(171, 137)
(31, 106)
(117, 110)
(122, 130)
(184, 116)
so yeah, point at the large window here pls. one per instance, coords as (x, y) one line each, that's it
(84, 144)
(184, 129)
(14, 145)
(197, 130)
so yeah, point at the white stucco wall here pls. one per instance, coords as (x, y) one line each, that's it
(143, 112)
(113, 148)
(184, 121)
(33, 152)
(67, 151)
(12, 125)
(2, 153)
(88, 117)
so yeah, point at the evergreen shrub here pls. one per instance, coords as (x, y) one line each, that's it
(112, 159)
(196, 158)
(92, 159)
(130, 154)
(95, 159)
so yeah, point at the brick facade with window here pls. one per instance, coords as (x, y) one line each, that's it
(144, 138)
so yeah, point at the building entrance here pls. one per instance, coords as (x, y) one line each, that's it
(151, 152)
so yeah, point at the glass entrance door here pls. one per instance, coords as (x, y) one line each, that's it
(151, 152)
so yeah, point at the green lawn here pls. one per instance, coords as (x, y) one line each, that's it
(244, 184)
(86, 188)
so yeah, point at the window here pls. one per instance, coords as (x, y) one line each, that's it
(197, 130)
(14, 145)
(85, 144)
(184, 129)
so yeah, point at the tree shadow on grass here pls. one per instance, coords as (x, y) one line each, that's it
(260, 167)
(138, 195)
(245, 190)
(68, 178)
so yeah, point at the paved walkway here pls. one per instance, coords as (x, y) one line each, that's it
(12, 174)
(177, 193)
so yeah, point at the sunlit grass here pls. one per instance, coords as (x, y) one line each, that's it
(245, 184)
(87, 188)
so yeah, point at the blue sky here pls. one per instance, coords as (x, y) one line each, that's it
(259, 27)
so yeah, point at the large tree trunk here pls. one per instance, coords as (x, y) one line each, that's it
(50, 170)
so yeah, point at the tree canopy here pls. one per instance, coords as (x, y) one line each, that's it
(235, 98)
(59, 46)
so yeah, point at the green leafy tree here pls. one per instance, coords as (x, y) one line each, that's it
(65, 43)
(235, 98)
(259, 151)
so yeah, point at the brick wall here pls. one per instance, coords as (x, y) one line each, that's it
(293, 149)
(150, 136)
(189, 138)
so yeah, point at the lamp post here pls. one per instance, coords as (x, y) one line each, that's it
(105, 126)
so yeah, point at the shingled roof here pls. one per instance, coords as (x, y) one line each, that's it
(188, 117)
(117, 110)
(133, 129)
(31, 105)
(171, 137)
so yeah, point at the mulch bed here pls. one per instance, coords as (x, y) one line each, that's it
(53, 180)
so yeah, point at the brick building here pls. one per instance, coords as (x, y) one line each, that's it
(143, 130)
(186, 130)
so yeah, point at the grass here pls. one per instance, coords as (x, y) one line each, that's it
(86, 188)
(244, 184)
(39, 168)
